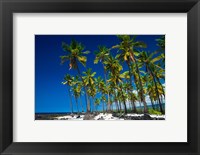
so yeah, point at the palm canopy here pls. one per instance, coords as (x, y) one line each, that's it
(99, 83)
(101, 54)
(97, 101)
(74, 53)
(161, 43)
(112, 64)
(89, 77)
(150, 59)
(68, 80)
(117, 77)
(127, 47)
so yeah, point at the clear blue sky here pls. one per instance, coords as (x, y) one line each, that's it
(50, 94)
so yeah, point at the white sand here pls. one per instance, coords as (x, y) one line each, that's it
(104, 116)
(69, 117)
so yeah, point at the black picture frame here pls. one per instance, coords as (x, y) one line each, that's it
(8, 7)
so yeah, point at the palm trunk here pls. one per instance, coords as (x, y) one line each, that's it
(93, 104)
(152, 103)
(70, 97)
(125, 109)
(108, 106)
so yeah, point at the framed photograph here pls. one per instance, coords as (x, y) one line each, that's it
(79, 76)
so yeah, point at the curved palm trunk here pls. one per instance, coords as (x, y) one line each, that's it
(85, 89)
(125, 109)
(157, 94)
(70, 97)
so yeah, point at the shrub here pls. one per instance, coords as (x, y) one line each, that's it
(154, 112)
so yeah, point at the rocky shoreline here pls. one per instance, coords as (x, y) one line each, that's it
(103, 116)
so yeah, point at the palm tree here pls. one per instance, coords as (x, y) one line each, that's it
(103, 100)
(88, 80)
(128, 48)
(76, 95)
(68, 80)
(101, 55)
(161, 44)
(97, 103)
(75, 53)
(92, 92)
(148, 62)
(151, 93)
(134, 98)
(112, 65)
(123, 95)
(79, 87)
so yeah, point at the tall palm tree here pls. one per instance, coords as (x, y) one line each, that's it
(88, 80)
(77, 86)
(76, 95)
(97, 103)
(128, 48)
(103, 100)
(113, 66)
(69, 80)
(123, 96)
(80, 92)
(75, 53)
(148, 61)
(101, 55)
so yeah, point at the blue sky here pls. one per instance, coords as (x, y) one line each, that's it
(50, 94)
